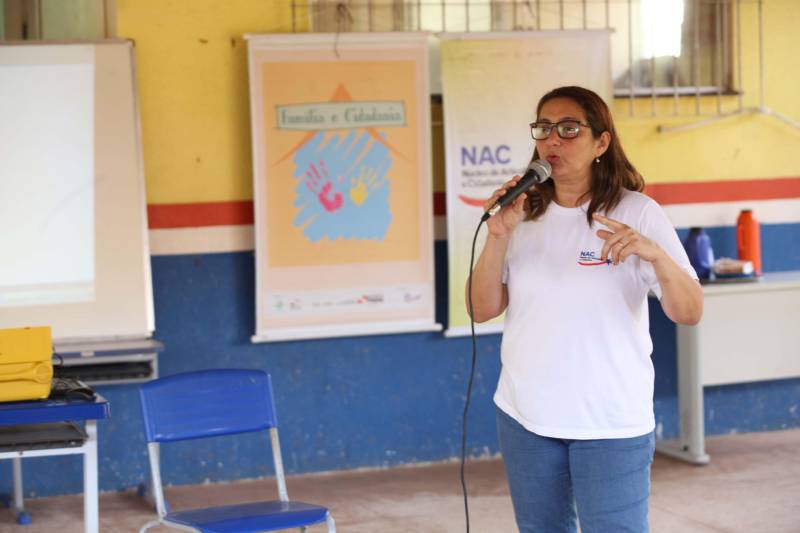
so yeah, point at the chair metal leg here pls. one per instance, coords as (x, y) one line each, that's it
(145, 490)
(331, 523)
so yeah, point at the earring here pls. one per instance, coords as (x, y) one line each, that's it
(597, 160)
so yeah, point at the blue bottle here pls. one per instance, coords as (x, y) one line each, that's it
(701, 255)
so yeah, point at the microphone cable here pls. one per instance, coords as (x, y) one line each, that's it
(471, 372)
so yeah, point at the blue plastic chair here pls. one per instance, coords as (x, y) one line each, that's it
(210, 403)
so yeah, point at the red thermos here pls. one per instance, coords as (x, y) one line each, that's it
(748, 239)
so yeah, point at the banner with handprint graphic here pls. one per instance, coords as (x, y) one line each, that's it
(342, 183)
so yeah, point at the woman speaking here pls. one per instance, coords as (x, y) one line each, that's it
(571, 263)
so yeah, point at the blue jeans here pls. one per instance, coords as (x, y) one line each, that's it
(606, 480)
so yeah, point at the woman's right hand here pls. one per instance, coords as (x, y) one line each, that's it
(504, 222)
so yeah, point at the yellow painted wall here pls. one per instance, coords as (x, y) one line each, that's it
(192, 72)
(741, 147)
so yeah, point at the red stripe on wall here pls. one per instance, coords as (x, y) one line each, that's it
(724, 191)
(162, 216)
(439, 203)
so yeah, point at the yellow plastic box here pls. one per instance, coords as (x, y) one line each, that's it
(26, 364)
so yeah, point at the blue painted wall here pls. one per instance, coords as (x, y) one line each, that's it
(360, 402)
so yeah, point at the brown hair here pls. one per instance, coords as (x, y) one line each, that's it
(609, 177)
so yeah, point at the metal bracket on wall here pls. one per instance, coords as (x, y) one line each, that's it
(741, 112)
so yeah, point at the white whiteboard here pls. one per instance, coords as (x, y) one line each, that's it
(74, 251)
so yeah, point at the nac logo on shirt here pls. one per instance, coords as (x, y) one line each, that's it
(590, 258)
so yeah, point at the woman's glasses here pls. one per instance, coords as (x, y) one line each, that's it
(567, 129)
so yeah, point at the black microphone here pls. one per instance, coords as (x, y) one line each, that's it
(537, 172)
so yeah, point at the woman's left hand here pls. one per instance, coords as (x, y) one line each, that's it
(623, 241)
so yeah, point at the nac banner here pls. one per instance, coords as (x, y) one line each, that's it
(342, 185)
(491, 83)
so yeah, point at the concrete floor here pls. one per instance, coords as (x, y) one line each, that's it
(751, 485)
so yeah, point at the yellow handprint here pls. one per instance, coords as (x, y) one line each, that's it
(362, 185)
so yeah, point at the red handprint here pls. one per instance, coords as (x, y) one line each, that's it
(313, 181)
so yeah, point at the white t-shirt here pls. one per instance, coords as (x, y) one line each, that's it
(576, 342)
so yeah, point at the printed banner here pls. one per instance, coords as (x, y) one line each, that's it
(342, 183)
(491, 84)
